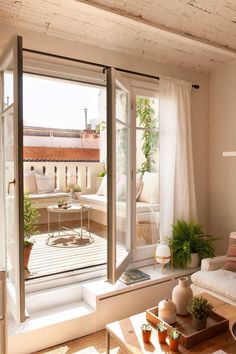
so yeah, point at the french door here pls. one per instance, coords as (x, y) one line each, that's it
(11, 178)
(119, 174)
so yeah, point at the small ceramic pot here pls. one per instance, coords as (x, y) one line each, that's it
(162, 336)
(27, 252)
(167, 311)
(199, 324)
(146, 336)
(173, 344)
(195, 261)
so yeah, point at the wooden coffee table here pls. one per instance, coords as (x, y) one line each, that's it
(128, 334)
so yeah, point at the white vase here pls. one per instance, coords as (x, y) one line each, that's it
(167, 311)
(181, 295)
(195, 261)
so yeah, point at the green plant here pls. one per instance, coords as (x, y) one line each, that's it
(161, 327)
(101, 126)
(174, 333)
(146, 115)
(146, 327)
(199, 307)
(101, 174)
(188, 238)
(31, 216)
(76, 188)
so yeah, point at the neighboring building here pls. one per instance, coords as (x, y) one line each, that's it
(61, 144)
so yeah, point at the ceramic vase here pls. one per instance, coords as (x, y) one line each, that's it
(167, 311)
(181, 295)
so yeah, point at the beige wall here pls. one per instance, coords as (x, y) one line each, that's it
(222, 137)
(199, 97)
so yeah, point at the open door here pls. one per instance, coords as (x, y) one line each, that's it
(12, 233)
(119, 174)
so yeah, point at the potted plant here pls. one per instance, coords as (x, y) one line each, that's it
(173, 335)
(31, 216)
(199, 308)
(76, 191)
(146, 332)
(188, 241)
(162, 332)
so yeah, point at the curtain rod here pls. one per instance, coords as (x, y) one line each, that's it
(195, 86)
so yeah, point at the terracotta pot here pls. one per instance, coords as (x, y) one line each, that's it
(162, 336)
(167, 311)
(146, 336)
(181, 295)
(173, 343)
(27, 251)
(199, 324)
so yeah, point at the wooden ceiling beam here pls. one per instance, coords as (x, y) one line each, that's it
(164, 30)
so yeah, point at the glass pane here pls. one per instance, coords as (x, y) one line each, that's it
(8, 87)
(121, 190)
(57, 148)
(121, 105)
(9, 197)
(147, 177)
(122, 198)
(147, 112)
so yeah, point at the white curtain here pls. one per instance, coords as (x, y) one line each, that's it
(177, 191)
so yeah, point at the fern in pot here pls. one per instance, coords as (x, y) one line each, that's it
(188, 241)
(31, 216)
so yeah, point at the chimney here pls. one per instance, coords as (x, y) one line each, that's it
(87, 126)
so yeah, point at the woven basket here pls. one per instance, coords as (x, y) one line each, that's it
(147, 232)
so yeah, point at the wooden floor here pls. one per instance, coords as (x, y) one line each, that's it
(58, 254)
(92, 344)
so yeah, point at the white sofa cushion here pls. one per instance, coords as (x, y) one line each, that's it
(30, 182)
(150, 189)
(220, 281)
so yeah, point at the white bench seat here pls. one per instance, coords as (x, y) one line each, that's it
(43, 200)
(99, 202)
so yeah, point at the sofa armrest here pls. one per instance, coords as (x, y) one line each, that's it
(209, 264)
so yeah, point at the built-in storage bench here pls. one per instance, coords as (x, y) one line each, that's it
(68, 312)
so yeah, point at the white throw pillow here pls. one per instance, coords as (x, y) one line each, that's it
(121, 187)
(30, 182)
(150, 190)
(45, 183)
(102, 190)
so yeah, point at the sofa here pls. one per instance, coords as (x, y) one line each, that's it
(218, 275)
(42, 189)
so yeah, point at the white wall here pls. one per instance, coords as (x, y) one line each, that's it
(68, 48)
(222, 137)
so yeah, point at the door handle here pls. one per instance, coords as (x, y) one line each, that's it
(9, 185)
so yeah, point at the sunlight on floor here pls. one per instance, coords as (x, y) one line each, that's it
(91, 344)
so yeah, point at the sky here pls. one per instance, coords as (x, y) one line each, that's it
(53, 103)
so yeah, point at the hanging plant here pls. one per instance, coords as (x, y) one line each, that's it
(147, 120)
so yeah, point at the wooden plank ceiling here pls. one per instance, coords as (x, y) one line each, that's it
(193, 34)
